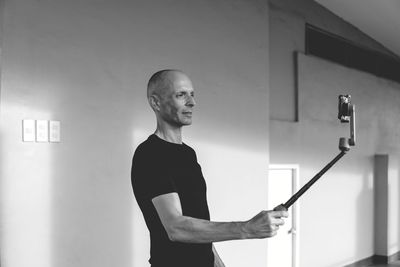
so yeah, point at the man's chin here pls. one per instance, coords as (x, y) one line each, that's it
(182, 123)
(186, 122)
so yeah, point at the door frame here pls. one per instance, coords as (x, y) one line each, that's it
(295, 169)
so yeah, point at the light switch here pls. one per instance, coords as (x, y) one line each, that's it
(28, 130)
(42, 131)
(55, 131)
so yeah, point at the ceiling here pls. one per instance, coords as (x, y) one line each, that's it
(379, 19)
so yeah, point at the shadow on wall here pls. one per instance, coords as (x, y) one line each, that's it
(364, 215)
(91, 195)
(342, 201)
(398, 212)
(393, 203)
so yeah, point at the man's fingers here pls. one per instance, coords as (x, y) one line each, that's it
(268, 222)
(279, 214)
(279, 222)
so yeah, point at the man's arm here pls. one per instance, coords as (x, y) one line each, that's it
(217, 260)
(192, 230)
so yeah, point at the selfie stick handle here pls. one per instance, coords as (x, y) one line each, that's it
(352, 140)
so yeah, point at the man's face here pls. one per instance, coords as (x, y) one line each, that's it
(177, 102)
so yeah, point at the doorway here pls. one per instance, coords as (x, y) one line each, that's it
(282, 250)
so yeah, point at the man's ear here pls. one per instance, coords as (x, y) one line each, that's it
(154, 102)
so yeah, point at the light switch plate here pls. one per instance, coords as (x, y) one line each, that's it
(42, 131)
(28, 130)
(55, 131)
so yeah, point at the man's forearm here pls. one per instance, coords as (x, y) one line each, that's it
(192, 230)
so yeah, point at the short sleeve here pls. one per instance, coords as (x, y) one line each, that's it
(158, 183)
(151, 177)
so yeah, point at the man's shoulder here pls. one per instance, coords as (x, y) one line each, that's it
(144, 148)
(190, 152)
(143, 145)
(189, 148)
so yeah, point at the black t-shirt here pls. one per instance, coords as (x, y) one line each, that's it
(160, 167)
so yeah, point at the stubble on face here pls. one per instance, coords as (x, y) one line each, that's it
(176, 109)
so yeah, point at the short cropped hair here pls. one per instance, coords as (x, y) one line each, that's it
(159, 81)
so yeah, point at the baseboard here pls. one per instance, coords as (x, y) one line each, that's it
(375, 259)
(361, 263)
(379, 259)
(394, 257)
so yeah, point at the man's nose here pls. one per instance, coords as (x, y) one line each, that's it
(190, 101)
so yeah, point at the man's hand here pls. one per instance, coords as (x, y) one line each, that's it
(265, 224)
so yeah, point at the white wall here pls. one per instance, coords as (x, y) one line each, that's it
(387, 208)
(86, 63)
(393, 197)
(381, 170)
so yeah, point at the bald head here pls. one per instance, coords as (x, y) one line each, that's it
(161, 81)
(171, 96)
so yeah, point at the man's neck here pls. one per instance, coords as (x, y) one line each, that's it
(169, 134)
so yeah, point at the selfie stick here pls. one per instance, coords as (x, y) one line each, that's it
(346, 114)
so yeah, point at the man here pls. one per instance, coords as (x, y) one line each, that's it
(170, 189)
